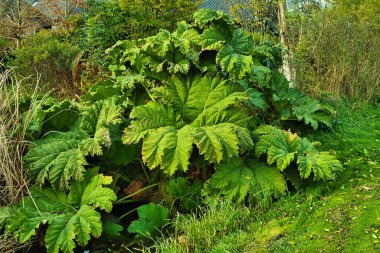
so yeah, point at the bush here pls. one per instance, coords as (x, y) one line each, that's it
(106, 22)
(185, 105)
(336, 50)
(45, 57)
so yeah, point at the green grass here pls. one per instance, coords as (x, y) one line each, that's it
(338, 216)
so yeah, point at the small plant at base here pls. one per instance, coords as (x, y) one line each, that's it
(69, 217)
(152, 218)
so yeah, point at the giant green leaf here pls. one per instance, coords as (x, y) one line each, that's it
(70, 218)
(211, 39)
(96, 121)
(185, 38)
(217, 142)
(322, 164)
(233, 179)
(234, 57)
(60, 236)
(278, 146)
(56, 158)
(204, 17)
(203, 110)
(178, 151)
(50, 200)
(150, 116)
(95, 194)
(268, 181)
(283, 147)
(24, 222)
(236, 178)
(61, 233)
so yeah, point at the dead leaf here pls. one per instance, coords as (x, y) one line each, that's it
(291, 135)
(134, 187)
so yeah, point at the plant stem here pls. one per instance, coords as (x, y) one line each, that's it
(133, 194)
(149, 94)
(127, 201)
(127, 213)
(145, 172)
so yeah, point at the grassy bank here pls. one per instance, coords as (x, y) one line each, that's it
(338, 216)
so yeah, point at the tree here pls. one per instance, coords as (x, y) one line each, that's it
(257, 16)
(17, 20)
(58, 11)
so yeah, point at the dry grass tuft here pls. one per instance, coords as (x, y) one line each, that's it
(11, 146)
(13, 183)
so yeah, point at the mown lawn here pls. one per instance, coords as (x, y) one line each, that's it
(338, 216)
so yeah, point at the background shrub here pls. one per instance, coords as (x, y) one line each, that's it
(45, 57)
(336, 49)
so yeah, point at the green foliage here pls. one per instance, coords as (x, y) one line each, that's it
(322, 164)
(279, 145)
(187, 193)
(234, 56)
(193, 98)
(96, 121)
(48, 115)
(60, 157)
(198, 111)
(152, 218)
(293, 104)
(57, 158)
(71, 218)
(233, 178)
(206, 83)
(213, 44)
(106, 22)
(283, 147)
(236, 178)
(269, 182)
